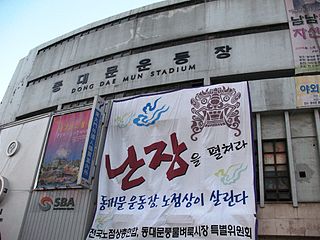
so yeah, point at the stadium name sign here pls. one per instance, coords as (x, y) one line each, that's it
(121, 74)
(143, 70)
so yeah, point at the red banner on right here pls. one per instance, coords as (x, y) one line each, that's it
(304, 17)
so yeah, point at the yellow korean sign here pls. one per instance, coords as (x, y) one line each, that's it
(307, 91)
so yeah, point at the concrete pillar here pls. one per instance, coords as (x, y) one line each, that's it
(290, 161)
(260, 160)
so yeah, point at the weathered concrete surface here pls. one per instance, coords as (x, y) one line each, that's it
(284, 220)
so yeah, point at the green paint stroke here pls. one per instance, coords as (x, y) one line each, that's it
(232, 174)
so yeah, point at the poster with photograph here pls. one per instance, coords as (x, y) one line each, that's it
(64, 149)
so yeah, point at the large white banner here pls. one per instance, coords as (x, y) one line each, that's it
(178, 165)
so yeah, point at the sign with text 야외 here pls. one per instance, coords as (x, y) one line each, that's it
(308, 91)
(178, 165)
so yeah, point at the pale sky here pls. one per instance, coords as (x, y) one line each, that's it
(25, 24)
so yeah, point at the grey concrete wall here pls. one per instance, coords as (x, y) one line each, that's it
(282, 220)
(273, 126)
(57, 224)
(215, 16)
(302, 124)
(249, 53)
(304, 146)
(12, 99)
(20, 170)
(267, 51)
(306, 156)
(273, 94)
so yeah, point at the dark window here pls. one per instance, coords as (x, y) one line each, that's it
(276, 172)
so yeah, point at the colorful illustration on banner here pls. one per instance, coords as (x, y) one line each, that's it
(215, 107)
(151, 114)
(232, 174)
(101, 219)
(124, 120)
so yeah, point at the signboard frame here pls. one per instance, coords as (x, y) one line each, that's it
(92, 142)
(53, 134)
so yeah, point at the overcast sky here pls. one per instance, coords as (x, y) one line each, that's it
(25, 24)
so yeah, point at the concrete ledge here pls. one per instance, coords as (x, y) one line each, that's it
(285, 220)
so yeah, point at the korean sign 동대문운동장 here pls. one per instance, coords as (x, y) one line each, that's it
(303, 17)
(63, 152)
(178, 165)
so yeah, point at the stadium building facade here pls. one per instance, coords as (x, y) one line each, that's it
(164, 46)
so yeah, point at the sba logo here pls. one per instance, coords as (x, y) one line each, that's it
(63, 204)
(46, 203)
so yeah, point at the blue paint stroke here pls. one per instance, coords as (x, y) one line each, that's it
(150, 117)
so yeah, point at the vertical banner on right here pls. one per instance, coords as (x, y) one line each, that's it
(303, 17)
